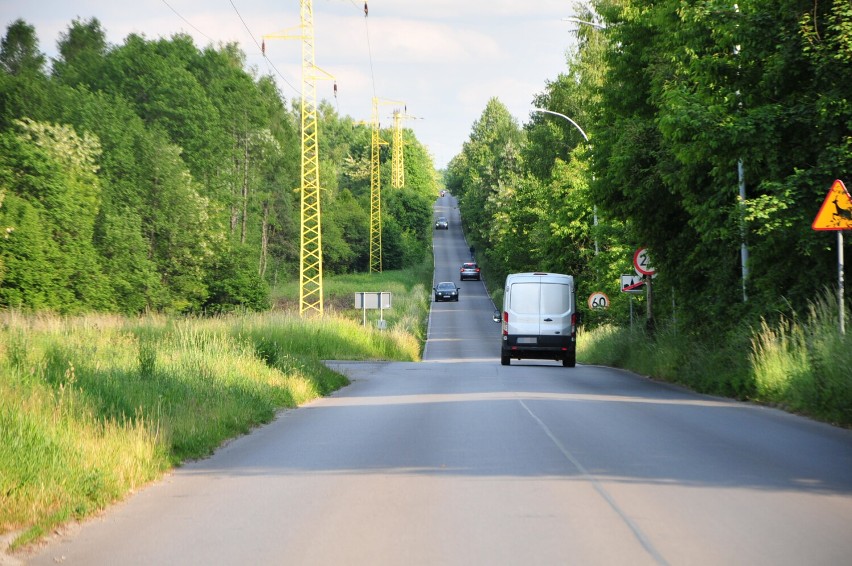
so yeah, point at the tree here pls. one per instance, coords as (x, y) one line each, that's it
(490, 155)
(82, 51)
(19, 54)
(52, 169)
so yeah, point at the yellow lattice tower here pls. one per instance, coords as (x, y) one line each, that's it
(398, 152)
(397, 156)
(310, 258)
(375, 192)
(376, 187)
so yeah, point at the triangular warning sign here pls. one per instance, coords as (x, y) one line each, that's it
(836, 210)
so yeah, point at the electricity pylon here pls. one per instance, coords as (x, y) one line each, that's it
(310, 257)
(397, 156)
(376, 188)
(397, 153)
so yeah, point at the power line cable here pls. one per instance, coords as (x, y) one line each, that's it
(262, 51)
(369, 49)
(188, 22)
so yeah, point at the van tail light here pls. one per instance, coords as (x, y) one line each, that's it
(573, 323)
(505, 323)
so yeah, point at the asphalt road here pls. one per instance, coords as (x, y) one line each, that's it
(459, 460)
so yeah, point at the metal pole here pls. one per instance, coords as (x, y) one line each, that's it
(631, 313)
(650, 325)
(840, 293)
(742, 200)
(744, 248)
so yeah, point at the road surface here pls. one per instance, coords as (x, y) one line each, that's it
(459, 460)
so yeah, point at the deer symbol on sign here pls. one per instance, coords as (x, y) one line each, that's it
(842, 212)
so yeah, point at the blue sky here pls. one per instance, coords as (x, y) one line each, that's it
(443, 58)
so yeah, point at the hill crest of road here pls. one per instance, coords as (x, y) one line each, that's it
(463, 330)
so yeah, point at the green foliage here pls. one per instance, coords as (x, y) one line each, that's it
(673, 97)
(53, 170)
(159, 176)
(19, 54)
(28, 253)
(710, 86)
(235, 285)
(406, 227)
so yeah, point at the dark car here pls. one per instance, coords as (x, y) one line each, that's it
(469, 270)
(446, 291)
(442, 223)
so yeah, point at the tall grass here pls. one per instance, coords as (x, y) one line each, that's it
(806, 366)
(93, 407)
(410, 289)
(803, 366)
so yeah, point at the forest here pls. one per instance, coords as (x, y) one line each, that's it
(158, 176)
(682, 104)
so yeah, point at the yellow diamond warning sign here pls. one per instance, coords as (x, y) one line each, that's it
(836, 210)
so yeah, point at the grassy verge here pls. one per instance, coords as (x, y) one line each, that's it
(92, 408)
(410, 290)
(804, 366)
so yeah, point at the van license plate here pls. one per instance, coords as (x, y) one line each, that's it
(527, 340)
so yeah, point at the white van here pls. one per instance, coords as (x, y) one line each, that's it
(539, 318)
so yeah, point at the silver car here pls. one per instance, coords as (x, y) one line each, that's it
(469, 270)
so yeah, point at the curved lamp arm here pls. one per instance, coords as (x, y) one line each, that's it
(576, 125)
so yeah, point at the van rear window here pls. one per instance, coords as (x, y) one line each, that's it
(555, 298)
(525, 298)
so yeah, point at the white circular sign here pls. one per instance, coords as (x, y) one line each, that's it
(642, 262)
(598, 300)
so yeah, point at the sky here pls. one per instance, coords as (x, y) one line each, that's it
(442, 59)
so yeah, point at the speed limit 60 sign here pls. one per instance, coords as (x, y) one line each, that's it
(598, 300)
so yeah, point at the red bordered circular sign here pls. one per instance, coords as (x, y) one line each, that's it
(642, 262)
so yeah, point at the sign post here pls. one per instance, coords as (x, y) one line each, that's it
(642, 265)
(836, 214)
(373, 300)
(632, 285)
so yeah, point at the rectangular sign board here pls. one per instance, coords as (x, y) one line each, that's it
(632, 284)
(373, 300)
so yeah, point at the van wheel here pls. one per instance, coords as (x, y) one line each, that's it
(504, 360)
(569, 361)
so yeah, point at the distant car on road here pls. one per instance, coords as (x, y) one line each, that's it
(442, 223)
(469, 270)
(446, 291)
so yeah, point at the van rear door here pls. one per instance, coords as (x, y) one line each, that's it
(524, 308)
(556, 309)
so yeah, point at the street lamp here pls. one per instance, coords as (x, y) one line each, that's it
(584, 22)
(575, 124)
(585, 137)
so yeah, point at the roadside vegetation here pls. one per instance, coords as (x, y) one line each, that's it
(801, 365)
(664, 111)
(94, 407)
